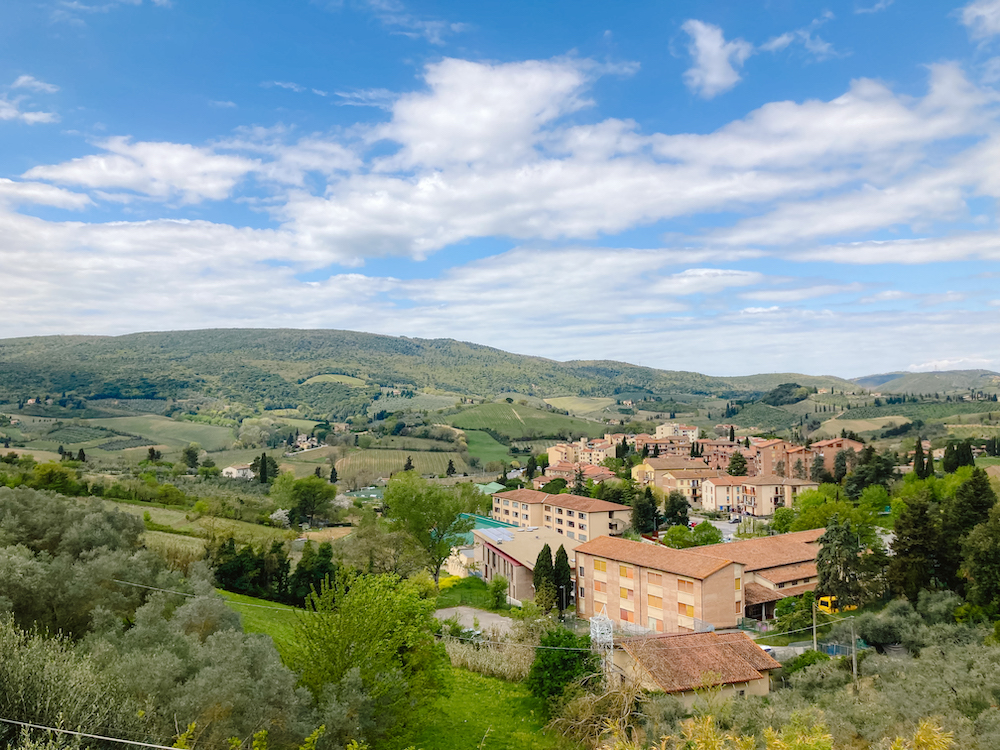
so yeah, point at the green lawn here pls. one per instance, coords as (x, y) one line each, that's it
(485, 448)
(519, 422)
(470, 591)
(269, 618)
(484, 712)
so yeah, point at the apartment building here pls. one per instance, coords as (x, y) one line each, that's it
(652, 470)
(512, 553)
(649, 587)
(572, 516)
(760, 495)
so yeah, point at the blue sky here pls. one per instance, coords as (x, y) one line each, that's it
(727, 187)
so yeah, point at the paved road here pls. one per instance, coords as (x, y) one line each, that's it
(466, 615)
(727, 529)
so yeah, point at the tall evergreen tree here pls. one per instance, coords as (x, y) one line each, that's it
(408, 466)
(644, 512)
(333, 475)
(949, 463)
(982, 562)
(562, 579)
(970, 506)
(914, 547)
(929, 465)
(817, 472)
(543, 577)
(262, 469)
(579, 484)
(732, 434)
(919, 466)
(737, 465)
(530, 467)
(675, 509)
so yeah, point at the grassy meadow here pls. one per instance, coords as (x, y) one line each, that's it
(518, 421)
(381, 463)
(166, 431)
(483, 446)
(581, 405)
(269, 618)
(345, 379)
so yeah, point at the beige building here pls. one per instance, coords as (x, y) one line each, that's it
(572, 516)
(651, 588)
(512, 553)
(722, 494)
(674, 429)
(681, 664)
(688, 482)
(830, 448)
(760, 495)
(652, 470)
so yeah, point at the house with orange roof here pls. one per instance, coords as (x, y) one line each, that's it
(652, 588)
(830, 448)
(683, 664)
(761, 495)
(573, 516)
(652, 470)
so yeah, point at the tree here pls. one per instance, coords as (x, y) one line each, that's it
(562, 579)
(564, 658)
(190, 455)
(841, 464)
(333, 475)
(982, 562)
(543, 577)
(408, 466)
(782, 520)
(737, 465)
(81, 456)
(497, 588)
(705, 533)
(799, 470)
(579, 485)
(818, 472)
(644, 512)
(911, 569)
(675, 509)
(677, 537)
(530, 467)
(919, 465)
(430, 513)
(950, 461)
(450, 471)
(960, 514)
(376, 630)
(264, 468)
(312, 496)
(850, 564)
(732, 434)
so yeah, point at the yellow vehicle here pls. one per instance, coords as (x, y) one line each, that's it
(828, 604)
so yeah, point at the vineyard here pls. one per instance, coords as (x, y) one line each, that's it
(382, 463)
(523, 422)
(926, 412)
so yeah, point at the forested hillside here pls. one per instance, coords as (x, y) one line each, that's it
(270, 367)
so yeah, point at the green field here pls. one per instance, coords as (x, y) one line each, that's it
(580, 404)
(523, 422)
(485, 448)
(205, 526)
(269, 618)
(345, 379)
(419, 402)
(927, 412)
(169, 432)
(764, 417)
(484, 712)
(833, 427)
(382, 463)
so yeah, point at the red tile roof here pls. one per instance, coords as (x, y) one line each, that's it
(787, 573)
(655, 556)
(584, 504)
(687, 661)
(767, 551)
(523, 496)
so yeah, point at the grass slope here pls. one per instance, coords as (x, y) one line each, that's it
(381, 463)
(269, 618)
(165, 431)
(483, 446)
(484, 712)
(522, 422)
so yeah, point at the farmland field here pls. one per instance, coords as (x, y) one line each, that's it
(412, 444)
(764, 417)
(485, 448)
(925, 412)
(170, 432)
(580, 405)
(381, 463)
(420, 401)
(833, 427)
(345, 379)
(518, 421)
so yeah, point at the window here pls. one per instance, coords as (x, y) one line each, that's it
(548, 518)
(582, 537)
(600, 586)
(571, 524)
(686, 587)
(559, 521)
(624, 571)
(582, 592)
(506, 512)
(580, 574)
(627, 616)
(686, 610)
(569, 513)
(739, 608)
(583, 527)
(559, 531)
(654, 579)
(524, 506)
(506, 502)
(571, 535)
(581, 515)
(737, 584)
(548, 507)
(559, 511)
(655, 601)
(654, 624)
(625, 593)
(601, 565)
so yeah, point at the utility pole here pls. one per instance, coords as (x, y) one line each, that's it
(815, 647)
(854, 652)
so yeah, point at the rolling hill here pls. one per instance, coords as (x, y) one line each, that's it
(948, 381)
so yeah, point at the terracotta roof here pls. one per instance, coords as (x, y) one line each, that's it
(584, 504)
(695, 473)
(787, 573)
(767, 479)
(674, 462)
(655, 556)
(797, 590)
(522, 496)
(767, 551)
(754, 593)
(686, 661)
(725, 479)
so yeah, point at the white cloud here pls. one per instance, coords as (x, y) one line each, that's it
(802, 293)
(222, 104)
(982, 17)
(393, 14)
(876, 8)
(290, 85)
(806, 36)
(381, 98)
(38, 193)
(159, 170)
(715, 59)
(11, 110)
(33, 84)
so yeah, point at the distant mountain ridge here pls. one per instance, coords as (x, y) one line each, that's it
(930, 382)
(271, 365)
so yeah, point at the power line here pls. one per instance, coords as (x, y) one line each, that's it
(195, 596)
(28, 725)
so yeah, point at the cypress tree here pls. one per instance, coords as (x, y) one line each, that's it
(543, 577)
(914, 547)
(929, 465)
(562, 578)
(732, 434)
(950, 461)
(263, 468)
(918, 460)
(333, 475)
